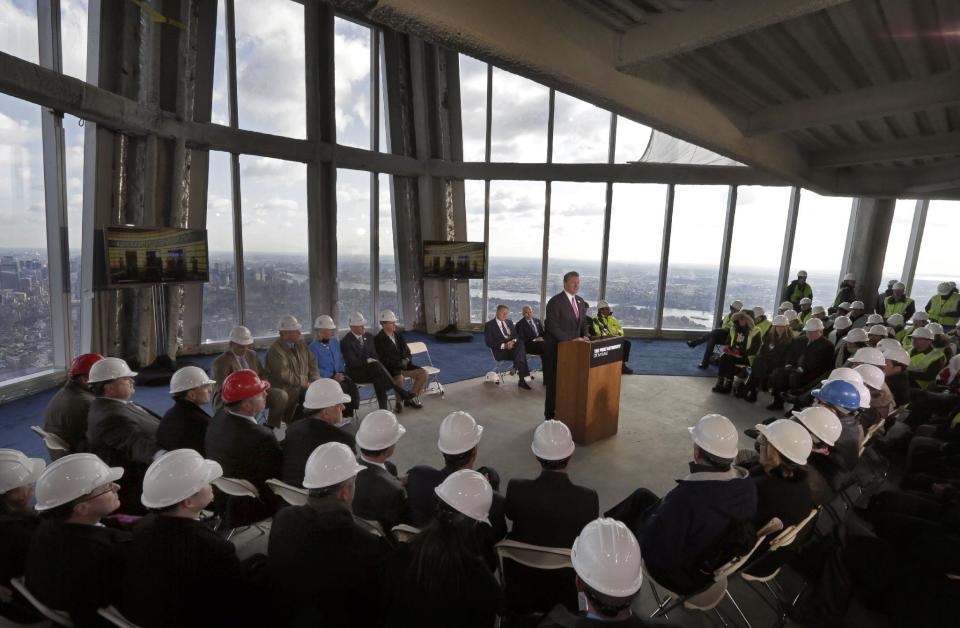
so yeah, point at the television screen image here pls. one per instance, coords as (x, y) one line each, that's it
(140, 255)
(453, 260)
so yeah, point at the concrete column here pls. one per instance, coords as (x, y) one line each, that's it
(870, 229)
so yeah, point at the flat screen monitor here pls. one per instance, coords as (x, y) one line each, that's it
(453, 260)
(146, 255)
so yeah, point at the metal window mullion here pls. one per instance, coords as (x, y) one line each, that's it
(547, 196)
(789, 233)
(725, 255)
(486, 194)
(374, 177)
(848, 242)
(664, 258)
(607, 210)
(913, 245)
(239, 274)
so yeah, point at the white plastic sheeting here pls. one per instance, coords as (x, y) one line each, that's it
(663, 148)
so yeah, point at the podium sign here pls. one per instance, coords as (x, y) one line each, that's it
(588, 387)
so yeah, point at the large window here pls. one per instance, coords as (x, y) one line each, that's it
(696, 238)
(351, 50)
(819, 242)
(576, 236)
(633, 267)
(353, 245)
(759, 223)
(18, 29)
(274, 210)
(473, 194)
(938, 259)
(220, 293)
(516, 244)
(389, 292)
(73, 32)
(220, 113)
(897, 243)
(632, 140)
(581, 131)
(519, 126)
(473, 107)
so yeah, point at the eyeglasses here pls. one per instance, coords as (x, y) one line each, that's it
(113, 487)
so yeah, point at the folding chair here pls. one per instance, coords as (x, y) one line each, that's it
(499, 368)
(60, 618)
(404, 532)
(535, 556)
(290, 494)
(375, 526)
(115, 617)
(433, 372)
(237, 487)
(56, 446)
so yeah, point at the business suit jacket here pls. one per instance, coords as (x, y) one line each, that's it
(302, 438)
(16, 530)
(184, 426)
(493, 337)
(421, 480)
(227, 363)
(380, 496)
(355, 354)
(561, 324)
(525, 332)
(66, 414)
(391, 355)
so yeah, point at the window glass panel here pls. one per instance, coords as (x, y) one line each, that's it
(18, 29)
(632, 139)
(73, 135)
(73, 33)
(819, 241)
(633, 267)
(473, 193)
(576, 236)
(274, 214)
(757, 245)
(473, 107)
(351, 54)
(220, 293)
(271, 78)
(897, 243)
(353, 245)
(384, 121)
(938, 259)
(581, 131)
(389, 295)
(696, 237)
(519, 124)
(220, 114)
(516, 245)
(26, 332)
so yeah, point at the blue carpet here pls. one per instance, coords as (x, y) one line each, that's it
(456, 362)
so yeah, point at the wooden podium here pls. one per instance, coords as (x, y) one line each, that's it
(588, 387)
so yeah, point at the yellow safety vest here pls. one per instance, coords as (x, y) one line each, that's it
(895, 307)
(753, 336)
(805, 316)
(764, 326)
(904, 337)
(920, 362)
(607, 326)
(938, 305)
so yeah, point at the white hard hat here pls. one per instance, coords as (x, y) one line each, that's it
(895, 320)
(856, 335)
(109, 369)
(856, 305)
(935, 328)
(324, 322)
(874, 319)
(821, 423)
(844, 305)
(789, 438)
(289, 322)
(780, 321)
(887, 344)
(379, 430)
(467, 492)
(737, 305)
(814, 324)
(791, 315)
(842, 322)
(844, 374)
(849, 277)
(188, 378)
(920, 332)
(944, 288)
(606, 557)
(786, 305)
(459, 433)
(715, 434)
(602, 304)
(899, 286)
(864, 393)
(758, 312)
(17, 470)
(806, 301)
(552, 441)
(175, 476)
(71, 477)
(802, 273)
(241, 335)
(869, 355)
(329, 464)
(491, 377)
(324, 393)
(387, 316)
(872, 376)
(921, 316)
(898, 355)
(356, 320)
(818, 309)
(878, 330)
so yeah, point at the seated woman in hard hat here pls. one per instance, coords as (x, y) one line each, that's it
(66, 414)
(326, 351)
(439, 579)
(717, 336)
(780, 473)
(179, 572)
(771, 356)
(75, 563)
(18, 520)
(742, 344)
(184, 425)
(322, 422)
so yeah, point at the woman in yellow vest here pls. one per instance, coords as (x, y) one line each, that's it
(944, 307)
(920, 319)
(743, 344)
(772, 355)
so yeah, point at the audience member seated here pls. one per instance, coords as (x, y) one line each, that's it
(896, 361)
(179, 572)
(944, 306)
(858, 317)
(808, 359)
(805, 312)
(761, 321)
(66, 414)
(439, 578)
(18, 520)
(530, 332)
(717, 336)
(841, 397)
(852, 342)
(876, 333)
(244, 449)
(239, 356)
(847, 293)
(324, 565)
(363, 364)
(184, 426)
(394, 354)
(841, 326)
(941, 340)
(919, 321)
(881, 399)
(771, 356)
(941, 399)
(75, 563)
(503, 341)
(898, 303)
(459, 437)
(743, 343)
(895, 325)
(781, 473)
(548, 511)
(322, 420)
(381, 495)
(703, 521)
(326, 351)
(798, 290)
(926, 361)
(604, 325)
(825, 429)
(290, 365)
(120, 432)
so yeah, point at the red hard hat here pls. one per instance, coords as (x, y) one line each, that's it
(242, 385)
(82, 363)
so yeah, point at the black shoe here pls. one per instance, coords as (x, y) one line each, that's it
(692, 343)
(404, 394)
(752, 432)
(751, 396)
(413, 403)
(398, 407)
(626, 370)
(721, 387)
(776, 405)
(703, 366)
(523, 384)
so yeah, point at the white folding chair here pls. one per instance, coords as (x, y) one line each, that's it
(404, 532)
(290, 494)
(501, 366)
(56, 446)
(433, 372)
(534, 556)
(375, 526)
(115, 617)
(59, 618)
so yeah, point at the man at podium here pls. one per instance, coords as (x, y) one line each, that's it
(566, 320)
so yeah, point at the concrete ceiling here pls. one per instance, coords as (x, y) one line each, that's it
(848, 97)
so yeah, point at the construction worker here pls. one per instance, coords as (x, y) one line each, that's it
(925, 359)
(75, 563)
(847, 292)
(895, 326)
(771, 356)
(381, 496)
(805, 312)
(323, 562)
(944, 306)
(394, 354)
(819, 312)
(717, 336)
(326, 351)
(742, 345)
(323, 422)
(18, 520)
(843, 399)
(881, 398)
(606, 325)
(808, 359)
(291, 366)
(761, 321)
(941, 340)
(184, 426)
(896, 361)
(852, 342)
(797, 290)
(781, 473)
(824, 428)
(241, 356)
(786, 305)
(793, 321)
(898, 303)
(875, 334)
(66, 414)
(841, 326)
(857, 315)
(920, 320)
(606, 559)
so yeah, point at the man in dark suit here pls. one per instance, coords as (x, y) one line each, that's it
(530, 332)
(549, 511)
(363, 364)
(66, 414)
(501, 337)
(809, 359)
(394, 354)
(243, 448)
(184, 426)
(322, 422)
(566, 320)
(380, 494)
